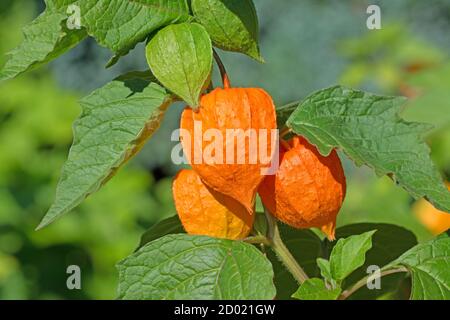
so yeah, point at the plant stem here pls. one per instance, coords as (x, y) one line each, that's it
(285, 131)
(286, 257)
(223, 71)
(361, 283)
(259, 239)
(282, 251)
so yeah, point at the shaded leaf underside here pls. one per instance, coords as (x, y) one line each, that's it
(232, 24)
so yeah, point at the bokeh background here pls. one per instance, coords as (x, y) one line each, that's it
(308, 45)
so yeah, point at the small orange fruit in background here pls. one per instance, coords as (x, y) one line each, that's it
(225, 109)
(308, 188)
(203, 211)
(435, 220)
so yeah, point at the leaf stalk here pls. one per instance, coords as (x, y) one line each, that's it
(361, 283)
(282, 251)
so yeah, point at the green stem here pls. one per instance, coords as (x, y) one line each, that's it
(361, 283)
(282, 251)
(259, 239)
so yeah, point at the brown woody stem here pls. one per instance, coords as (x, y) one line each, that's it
(223, 71)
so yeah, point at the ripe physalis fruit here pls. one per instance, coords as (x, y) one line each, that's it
(228, 164)
(435, 220)
(308, 188)
(203, 211)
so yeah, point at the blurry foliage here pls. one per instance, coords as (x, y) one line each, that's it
(432, 104)
(431, 96)
(307, 45)
(378, 200)
(382, 59)
(35, 135)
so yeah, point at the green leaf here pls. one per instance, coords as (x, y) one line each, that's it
(260, 224)
(195, 267)
(284, 112)
(368, 129)
(45, 39)
(324, 266)
(349, 254)
(388, 243)
(115, 123)
(167, 226)
(232, 24)
(429, 264)
(315, 289)
(120, 24)
(306, 247)
(180, 56)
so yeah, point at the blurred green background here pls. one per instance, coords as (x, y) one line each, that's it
(308, 45)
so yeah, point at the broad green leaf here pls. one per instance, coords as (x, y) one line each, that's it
(167, 226)
(429, 264)
(195, 267)
(368, 129)
(46, 38)
(180, 56)
(349, 254)
(116, 121)
(315, 289)
(232, 24)
(306, 247)
(388, 243)
(120, 24)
